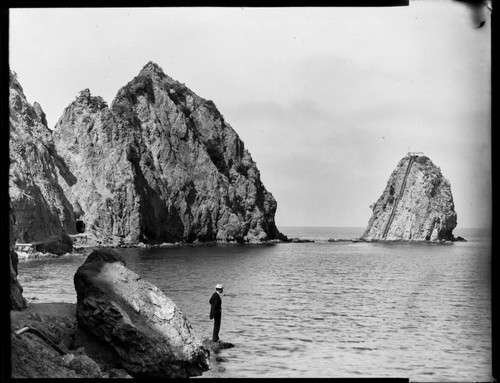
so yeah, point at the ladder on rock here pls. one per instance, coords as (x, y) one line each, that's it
(401, 191)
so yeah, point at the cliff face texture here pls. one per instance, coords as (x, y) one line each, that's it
(161, 164)
(37, 201)
(17, 302)
(416, 204)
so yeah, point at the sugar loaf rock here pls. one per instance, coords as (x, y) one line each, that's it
(416, 204)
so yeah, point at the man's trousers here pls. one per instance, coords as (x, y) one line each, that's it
(217, 318)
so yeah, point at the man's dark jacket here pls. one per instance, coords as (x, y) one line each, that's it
(216, 303)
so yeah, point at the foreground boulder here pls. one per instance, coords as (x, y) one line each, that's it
(144, 328)
(416, 204)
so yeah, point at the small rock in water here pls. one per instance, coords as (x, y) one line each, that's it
(220, 359)
(301, 240)
(216, 346)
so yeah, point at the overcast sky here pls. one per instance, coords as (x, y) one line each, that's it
(327, 100)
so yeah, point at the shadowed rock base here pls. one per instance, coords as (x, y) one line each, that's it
(32, 357)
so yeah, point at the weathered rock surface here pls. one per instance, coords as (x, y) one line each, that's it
(33, 357)
(17, 301)
(37, 200)
(136, 320)
(84, 365)
(416, 204)
(161, 165)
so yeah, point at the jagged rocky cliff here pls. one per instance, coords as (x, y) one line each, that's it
(160, 165)
(37, 201)
(416, 204)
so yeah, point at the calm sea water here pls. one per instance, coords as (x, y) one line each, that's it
(417, 311)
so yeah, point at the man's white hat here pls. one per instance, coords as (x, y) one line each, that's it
(219, 286)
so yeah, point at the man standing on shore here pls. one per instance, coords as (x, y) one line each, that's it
(216, 310)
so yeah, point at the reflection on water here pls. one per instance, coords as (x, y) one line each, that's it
(322, 309)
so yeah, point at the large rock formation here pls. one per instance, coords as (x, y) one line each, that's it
(145, 329)
(37, 200)
(416, 204)
(161, 164)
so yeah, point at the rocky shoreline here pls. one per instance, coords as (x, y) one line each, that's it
(81, 247)
(58, 322)
(66, 348)
(400, 240)
(89, 243)
(32, 357)
(120, 327)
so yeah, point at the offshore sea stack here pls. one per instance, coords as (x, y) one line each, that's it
(161, 165)
(416, 205)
